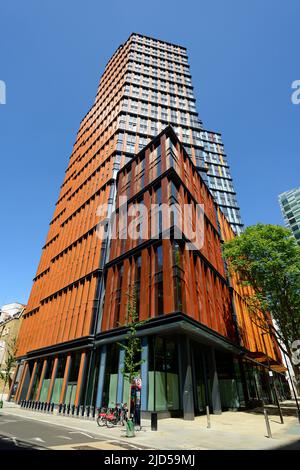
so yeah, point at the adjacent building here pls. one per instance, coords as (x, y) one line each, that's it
(10, 323)
(142, 140)
(290, 207)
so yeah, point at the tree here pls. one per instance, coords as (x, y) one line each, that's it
(267, 258)
(10, 362)
(132, 346)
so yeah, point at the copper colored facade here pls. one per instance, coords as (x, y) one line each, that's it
(199, 338)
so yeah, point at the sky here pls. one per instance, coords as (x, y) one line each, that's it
(244, 56)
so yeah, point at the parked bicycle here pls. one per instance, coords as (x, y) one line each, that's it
(113, 416)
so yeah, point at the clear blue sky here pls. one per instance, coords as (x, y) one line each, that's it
(244, 56)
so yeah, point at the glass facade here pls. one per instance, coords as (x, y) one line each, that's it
(157, 92)
(290, 207)
(109, 396)
(163, 375)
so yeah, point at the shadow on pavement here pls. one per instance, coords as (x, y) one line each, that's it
(11, 443)
(293, 446)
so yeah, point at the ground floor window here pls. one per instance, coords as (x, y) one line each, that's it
(73, 377)
(231, 391)
(92, 379)
(163, 376)
(110, 386)
(47, 379)
(59, 378)
(34, 390)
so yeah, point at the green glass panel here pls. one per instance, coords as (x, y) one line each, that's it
(112, 397)
(126, 390)
(160, 391)
(228, 393)
(44, 390)
(172, 391)
(56, 390)
(71, 393)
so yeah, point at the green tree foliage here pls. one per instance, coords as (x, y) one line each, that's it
(267, 258)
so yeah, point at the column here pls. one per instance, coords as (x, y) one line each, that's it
(186, 380)
(31, 381)
(13, 382)
(80, 380)
(53, 375)
(21, 383)
(144, 374)
(65, 381)
(44, 368)
(101, 376)
(215, 389)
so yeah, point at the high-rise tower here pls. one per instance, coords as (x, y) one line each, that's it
(142, 137)
(290, 208)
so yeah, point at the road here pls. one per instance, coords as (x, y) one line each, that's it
(19, 433)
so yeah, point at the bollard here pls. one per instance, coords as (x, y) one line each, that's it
(82, 410)
(27, 403)
(22, 403)
(208, 416)
(73, 410)
(42, 406)
(60, 408)
(87, 411)
(52, 407)
(153, 421)
(267, 423)
(48, 407)
(68, 409)
(77, 411)
(64, 408)
(92, 412)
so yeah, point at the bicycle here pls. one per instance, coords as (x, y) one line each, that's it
(101, 419)
(113, 416)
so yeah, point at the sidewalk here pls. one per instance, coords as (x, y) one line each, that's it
(229, 431)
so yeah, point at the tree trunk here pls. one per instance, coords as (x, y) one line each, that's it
(129, 401)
